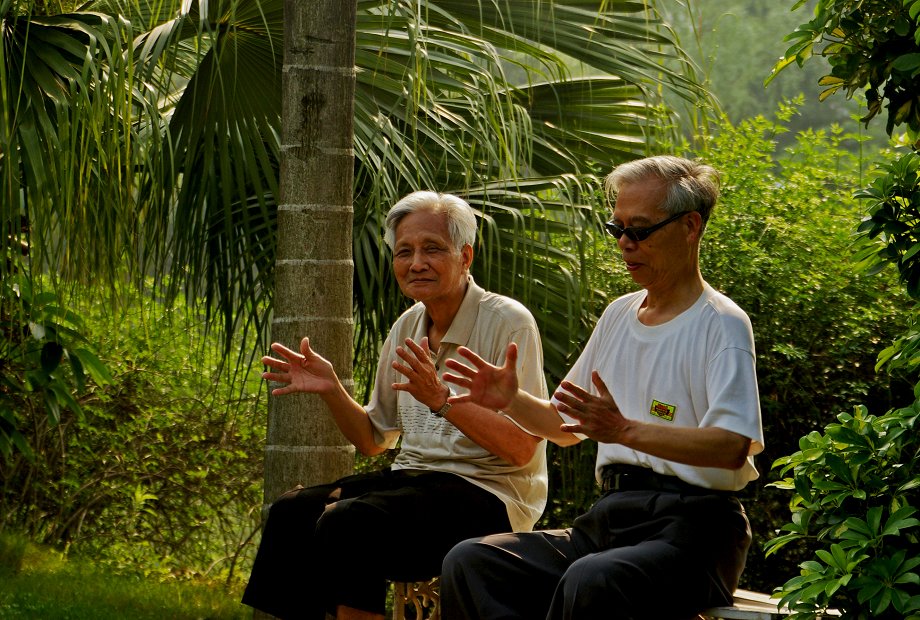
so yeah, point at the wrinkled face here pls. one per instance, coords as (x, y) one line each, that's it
(668, 253)
(427, 265)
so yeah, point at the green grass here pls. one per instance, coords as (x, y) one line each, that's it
(38, 583)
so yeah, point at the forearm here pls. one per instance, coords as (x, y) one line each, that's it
(352, 420)
(494, 432)
(540, 417)
(700, 447)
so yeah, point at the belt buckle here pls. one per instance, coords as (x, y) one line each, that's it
(614, 481)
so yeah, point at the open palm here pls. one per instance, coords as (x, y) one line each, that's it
(306, 371)
(489, 386)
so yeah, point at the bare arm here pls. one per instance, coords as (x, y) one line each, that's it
(309, 372)
(600, 418)
(488, 429)
(496, 388)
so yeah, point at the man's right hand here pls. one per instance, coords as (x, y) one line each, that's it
(300, 372)
(493, 387)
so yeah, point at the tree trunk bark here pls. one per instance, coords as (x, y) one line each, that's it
(314, 267)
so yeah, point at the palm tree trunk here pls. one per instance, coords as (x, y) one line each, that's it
(314, 267)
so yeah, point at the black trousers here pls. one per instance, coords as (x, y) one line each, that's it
(650, 555)
(337, 544)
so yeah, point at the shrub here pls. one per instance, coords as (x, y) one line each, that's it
(157, 472)
(856, 499)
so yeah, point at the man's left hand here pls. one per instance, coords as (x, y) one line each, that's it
(422, 380)
(598, 415)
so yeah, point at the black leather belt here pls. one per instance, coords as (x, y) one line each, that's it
(620, 477)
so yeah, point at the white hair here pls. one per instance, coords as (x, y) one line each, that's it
(461, 221)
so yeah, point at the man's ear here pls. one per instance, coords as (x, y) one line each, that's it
(466, 255)
(695, 225)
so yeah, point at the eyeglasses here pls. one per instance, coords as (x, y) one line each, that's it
(639, 234)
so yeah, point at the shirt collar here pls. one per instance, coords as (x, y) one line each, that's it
(462, 325)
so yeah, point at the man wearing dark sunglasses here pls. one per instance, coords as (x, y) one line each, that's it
(667, 387)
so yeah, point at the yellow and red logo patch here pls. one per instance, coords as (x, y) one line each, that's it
(663, 410)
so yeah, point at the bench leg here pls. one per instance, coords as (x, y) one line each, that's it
(422, 596)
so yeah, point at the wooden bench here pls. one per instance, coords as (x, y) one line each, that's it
(747, 605)
(424, 598)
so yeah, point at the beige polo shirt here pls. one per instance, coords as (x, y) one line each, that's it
(485, 323)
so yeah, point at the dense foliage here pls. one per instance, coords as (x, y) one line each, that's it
(151, 129)
(150, 462)
(857, 493)
(871, 47)
(854, 486)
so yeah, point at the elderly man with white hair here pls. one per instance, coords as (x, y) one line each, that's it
(461, 470)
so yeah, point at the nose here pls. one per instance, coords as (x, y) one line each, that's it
(419, 261)
(624, 243)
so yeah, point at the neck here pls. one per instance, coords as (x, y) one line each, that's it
(661, 306)
(442, 312)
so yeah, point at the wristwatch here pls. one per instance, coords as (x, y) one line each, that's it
(440, 413)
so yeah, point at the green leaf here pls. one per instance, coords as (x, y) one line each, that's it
(51, 356)
(907, 62)
(96, 369)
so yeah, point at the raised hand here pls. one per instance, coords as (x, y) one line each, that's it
(598, 415)
(489, 386)
(422, 380)
(300, 372)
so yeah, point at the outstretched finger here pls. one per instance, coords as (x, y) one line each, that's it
(286, 353)
(286, 389)
(600, 385)
(511, 356)
(275, 364)
(420, 350)
(477, 361)
(457, 399)
(464, 382)
(575, 390)
(305, 349)
(460, 367)
(277, 377)
(402, 369)
(417, 356)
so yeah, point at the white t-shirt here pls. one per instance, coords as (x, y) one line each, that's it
(486, 323)
(696, 370)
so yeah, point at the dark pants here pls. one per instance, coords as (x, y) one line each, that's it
(655, 555)
(337, 544)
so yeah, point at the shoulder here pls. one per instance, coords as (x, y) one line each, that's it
(622, 306)
(722, 306)
(408, 320)
(726, 314)
(506, 310)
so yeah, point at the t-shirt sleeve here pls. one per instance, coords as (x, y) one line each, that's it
(733, 396)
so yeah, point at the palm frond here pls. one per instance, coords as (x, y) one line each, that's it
(514, 104)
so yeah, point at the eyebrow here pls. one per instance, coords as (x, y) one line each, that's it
(639, 219)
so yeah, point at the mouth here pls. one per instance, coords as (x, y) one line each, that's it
(631, 266)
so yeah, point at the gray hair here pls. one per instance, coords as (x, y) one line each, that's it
(691, 186)
(461, 221)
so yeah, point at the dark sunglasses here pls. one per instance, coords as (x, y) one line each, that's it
(639, 234)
